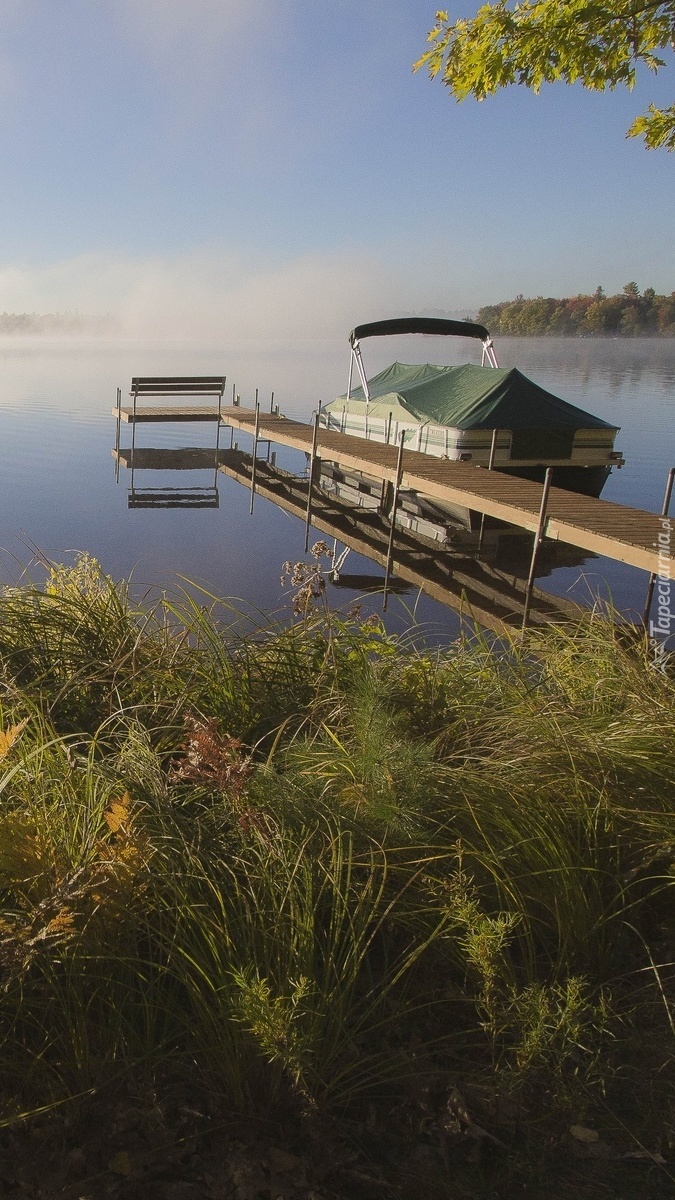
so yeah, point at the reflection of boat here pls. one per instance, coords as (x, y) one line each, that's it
(485, 415)
(446, 524)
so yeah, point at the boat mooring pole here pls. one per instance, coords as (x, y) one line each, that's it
(538, 539)
(310, 481)
(392, 526)
(652, 578)
(255, 447)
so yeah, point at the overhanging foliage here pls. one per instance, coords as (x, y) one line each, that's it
(599, 45)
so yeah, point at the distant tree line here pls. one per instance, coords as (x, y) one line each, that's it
(55, 323)
(630, 314)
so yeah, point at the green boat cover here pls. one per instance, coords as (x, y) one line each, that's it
(466, 397)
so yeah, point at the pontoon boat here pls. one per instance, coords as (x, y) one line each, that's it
(484, 415)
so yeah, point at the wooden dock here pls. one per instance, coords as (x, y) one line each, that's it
(174, 387)
(629, 535)
(167, 412)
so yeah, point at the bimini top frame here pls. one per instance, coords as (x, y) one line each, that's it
(429, 325)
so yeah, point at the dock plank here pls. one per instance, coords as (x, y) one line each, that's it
(195, 412)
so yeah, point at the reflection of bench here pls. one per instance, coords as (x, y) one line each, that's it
(178, 387)
(173, 497)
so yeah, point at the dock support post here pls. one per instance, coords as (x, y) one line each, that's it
(310, 482)
(118, 435)
(538, 539)
(652, 578)
(255, 448)
(220, 411)
(392, 526)
(490, 467)
(383, 496)
(133, 437)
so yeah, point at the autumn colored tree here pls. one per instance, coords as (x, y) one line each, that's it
(598, 43)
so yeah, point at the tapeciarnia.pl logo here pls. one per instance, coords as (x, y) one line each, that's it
(659, 629)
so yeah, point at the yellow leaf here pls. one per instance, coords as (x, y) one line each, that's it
(9, 736)
(119, 813)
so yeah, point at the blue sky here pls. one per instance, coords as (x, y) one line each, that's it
(277, 168)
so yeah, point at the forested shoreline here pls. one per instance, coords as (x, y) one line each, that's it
(53, 323)
(630, 314)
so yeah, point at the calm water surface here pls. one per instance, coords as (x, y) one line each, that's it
(57, 476)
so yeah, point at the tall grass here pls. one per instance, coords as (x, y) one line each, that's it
(307, 866)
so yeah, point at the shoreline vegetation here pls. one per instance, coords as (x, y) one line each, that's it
(309, 910)
(629, 314)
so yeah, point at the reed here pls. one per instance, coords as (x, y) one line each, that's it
(309, 867)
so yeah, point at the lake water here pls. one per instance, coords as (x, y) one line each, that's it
(60, 496)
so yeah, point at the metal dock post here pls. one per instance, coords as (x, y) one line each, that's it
(133, 435)
(255, 447)
(310, 482)
(118, 435)
(490, 467)
(538, 539)
(392, 527)
(220, 411)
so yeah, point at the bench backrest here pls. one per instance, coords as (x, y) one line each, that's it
(178, 385)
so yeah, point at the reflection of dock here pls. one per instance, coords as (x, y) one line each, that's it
(492, 597)
(625, 534)
(189, 458)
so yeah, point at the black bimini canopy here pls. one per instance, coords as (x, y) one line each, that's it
(429, 325)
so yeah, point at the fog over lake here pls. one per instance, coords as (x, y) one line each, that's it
(59, 492)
